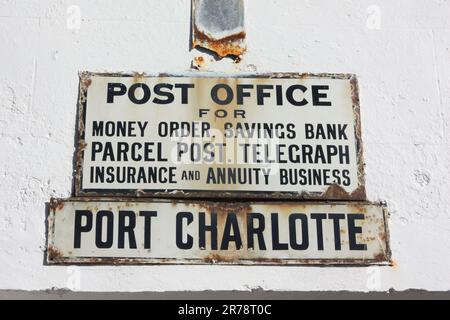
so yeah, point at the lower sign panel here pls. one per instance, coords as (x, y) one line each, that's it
(180, 232)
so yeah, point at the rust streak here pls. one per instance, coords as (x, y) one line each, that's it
(380, 257)
(54, 253)
(337, 192)
(269, 260)
(199, 62)
(83, 145)
(226, 207)
(56, 204)
(231, 45)
(138, 77)
(87, 82)
(214, 258)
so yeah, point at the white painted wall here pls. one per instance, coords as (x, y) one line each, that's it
(403, 64)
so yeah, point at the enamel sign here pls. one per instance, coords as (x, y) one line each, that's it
(200, 232)
(271, 136)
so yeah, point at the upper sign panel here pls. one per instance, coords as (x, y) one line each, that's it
(247, 136)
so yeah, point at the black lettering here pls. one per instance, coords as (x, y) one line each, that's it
(276, 245)
(167, 94)
(99, 229)
(290, 95)
(203, 228)
(147, 226)
(309, 131)
(293, 231)
(184, 91)
(337, 229)
(96, 148)
(319, 217)
(122, 89)
(215, 95)
(179, 230)
(258, 231)
(127, 228)
(231, 224)
(145, 96)
(317, 96)
(260, 94)
(97, 128)
(353, 230)
(79, 228)
(240, 94)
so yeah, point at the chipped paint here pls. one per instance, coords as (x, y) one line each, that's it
(218, 25)
(198, 63)
(232, 45)
(54, 254)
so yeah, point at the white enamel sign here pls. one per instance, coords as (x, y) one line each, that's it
(272, 136)
(110, 231)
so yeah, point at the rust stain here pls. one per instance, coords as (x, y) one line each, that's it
(226, 207)
(54, 253)
(87, 82)
(358, 208)
(83, 145)
(359, 146)
(359, 193)
(380, 257)
(222, 210)
(59, 206)
(199, 62)
(56, 204)
(355, 91)
(394, 264)
(269, 260)
(232, 45)
(215, 258)
(286, 207)
(336, 192)
(137, 77)
(109, 261)
(303, 76)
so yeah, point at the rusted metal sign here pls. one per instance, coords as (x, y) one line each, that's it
(162, 232)
(218, 25)
(268, 136)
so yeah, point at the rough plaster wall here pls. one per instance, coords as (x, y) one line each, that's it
(404, 73)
